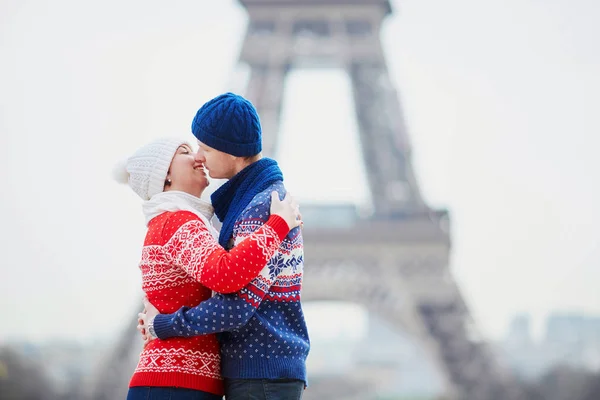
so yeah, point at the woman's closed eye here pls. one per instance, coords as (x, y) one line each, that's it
(184, 150)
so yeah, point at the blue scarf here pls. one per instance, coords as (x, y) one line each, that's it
(233, 196)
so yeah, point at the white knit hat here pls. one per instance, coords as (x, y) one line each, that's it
(146, 170)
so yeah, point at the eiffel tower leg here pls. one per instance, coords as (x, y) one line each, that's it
(265, 91)
(468, 361)
(384, 141)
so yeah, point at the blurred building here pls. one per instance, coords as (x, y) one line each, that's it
(570, 339)
(573, 339)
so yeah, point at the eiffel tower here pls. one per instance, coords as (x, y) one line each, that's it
(394, 262)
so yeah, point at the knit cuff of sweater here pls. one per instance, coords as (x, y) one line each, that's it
(164, 327)
(279, 226)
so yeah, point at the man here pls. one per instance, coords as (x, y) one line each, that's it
(262, 331)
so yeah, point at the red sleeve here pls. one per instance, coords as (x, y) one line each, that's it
(191, 246)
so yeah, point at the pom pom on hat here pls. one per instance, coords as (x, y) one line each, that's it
(119, 172)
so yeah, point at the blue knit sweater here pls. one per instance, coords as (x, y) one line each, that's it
(261, 328)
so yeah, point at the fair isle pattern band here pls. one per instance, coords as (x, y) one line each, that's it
(180, 360)
(190, 247)
(156, 273)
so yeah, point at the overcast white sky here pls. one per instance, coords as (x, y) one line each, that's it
(501, 99)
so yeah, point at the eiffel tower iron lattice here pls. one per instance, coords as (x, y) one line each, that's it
(395, 262)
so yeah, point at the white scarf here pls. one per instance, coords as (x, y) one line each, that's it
(179, 201)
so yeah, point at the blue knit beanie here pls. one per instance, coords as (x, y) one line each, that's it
(229, 123)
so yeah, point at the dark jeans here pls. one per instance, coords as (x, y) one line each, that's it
(263, 389)
(168, 393)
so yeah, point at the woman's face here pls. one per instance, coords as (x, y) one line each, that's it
(186, 173)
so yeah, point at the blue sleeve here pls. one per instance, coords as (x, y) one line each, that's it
(222, 312)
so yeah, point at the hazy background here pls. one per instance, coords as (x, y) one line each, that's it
(501, 99)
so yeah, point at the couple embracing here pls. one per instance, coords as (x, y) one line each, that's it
(222, 309)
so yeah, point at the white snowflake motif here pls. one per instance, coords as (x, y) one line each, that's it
(153, 254)
(174, 246)
(276, 265)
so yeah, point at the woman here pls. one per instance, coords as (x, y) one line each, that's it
(182, 263)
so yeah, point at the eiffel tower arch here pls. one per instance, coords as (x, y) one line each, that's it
(395, 261)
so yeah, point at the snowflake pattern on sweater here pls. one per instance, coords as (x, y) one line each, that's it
(262, 329)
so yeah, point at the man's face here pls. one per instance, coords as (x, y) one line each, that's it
(219, 165)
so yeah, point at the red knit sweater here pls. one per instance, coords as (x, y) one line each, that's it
(181, 263)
